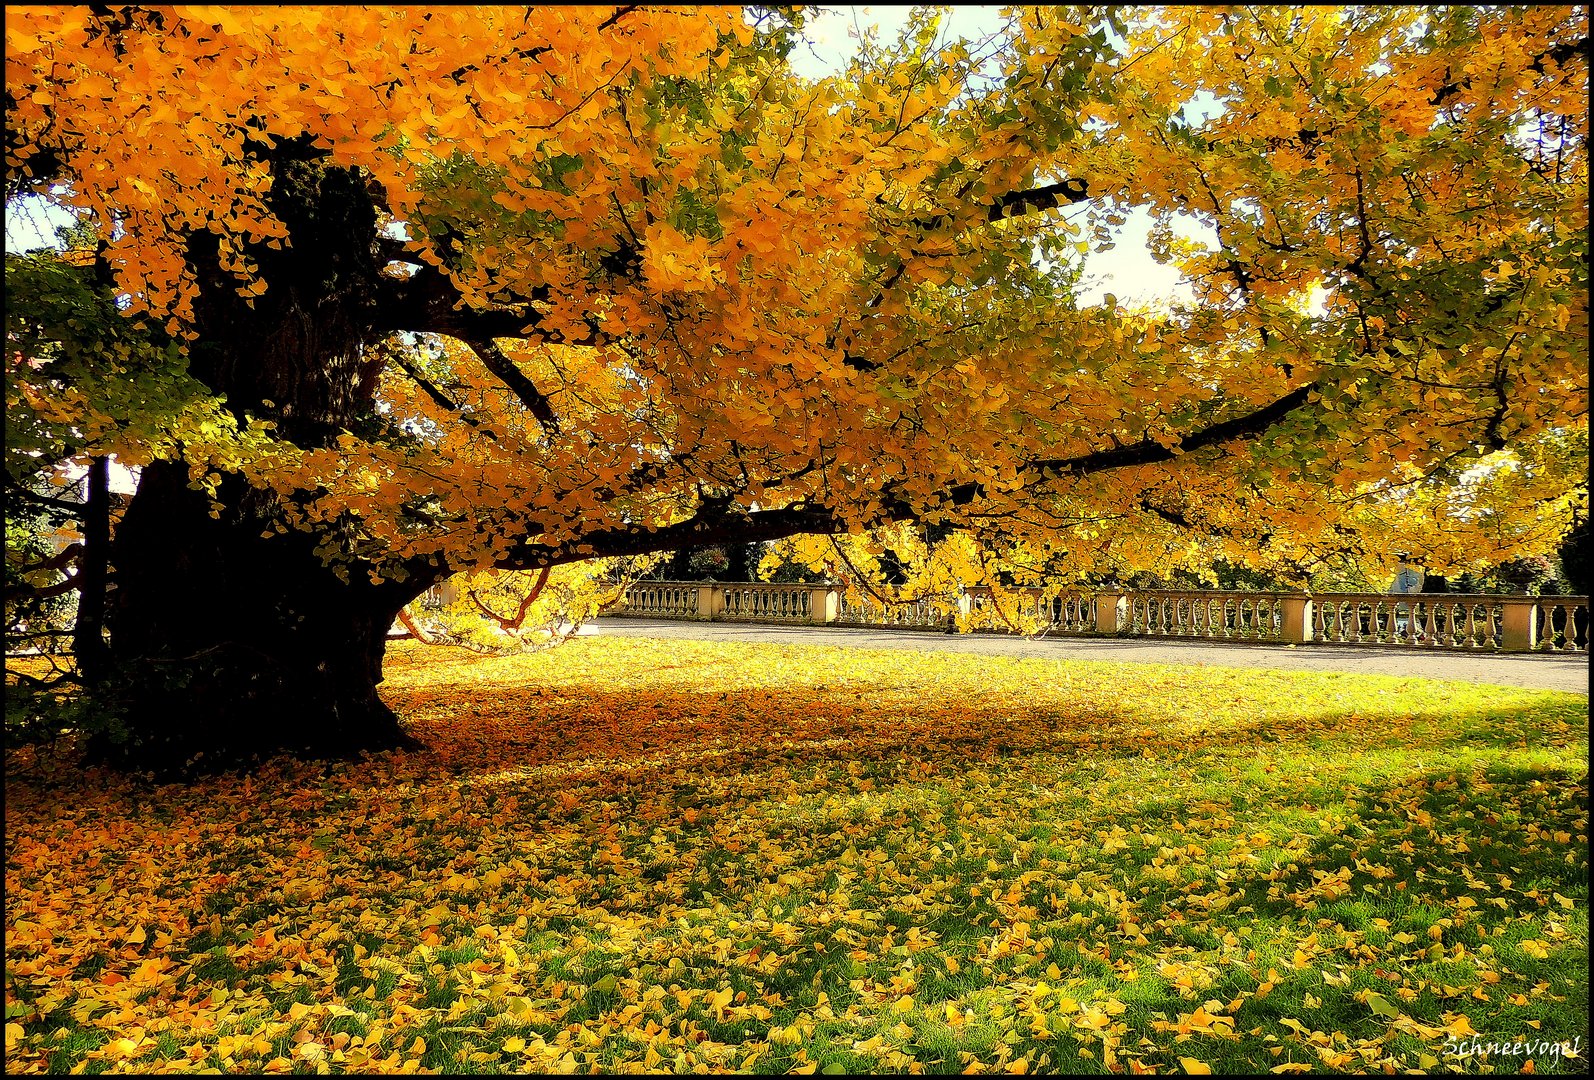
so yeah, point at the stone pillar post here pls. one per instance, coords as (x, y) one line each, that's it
(1519, 623)
(1112, 613)
(824, 604)
(710, 601)
(1296, 616)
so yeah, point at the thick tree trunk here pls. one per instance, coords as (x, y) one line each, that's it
(231, 641)
(228, 646)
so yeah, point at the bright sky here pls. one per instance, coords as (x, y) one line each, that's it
(1127, 271)
(31, 222)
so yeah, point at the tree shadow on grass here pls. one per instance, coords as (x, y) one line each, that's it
(649, 804)
(529, 724)
(674, 751)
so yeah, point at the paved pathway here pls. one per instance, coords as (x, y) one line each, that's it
(1538, 671)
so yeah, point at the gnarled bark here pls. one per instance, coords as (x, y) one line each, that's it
(231, 639)
(228, 646)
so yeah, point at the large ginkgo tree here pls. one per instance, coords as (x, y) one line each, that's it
(378, 295)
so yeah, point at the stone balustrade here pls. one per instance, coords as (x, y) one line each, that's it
(1418, 620)
(1021, 610)
(866, 610)
(1558, 624)
(751, 601)
(762, 602)
(665, 599)
(1466, 622)
(1210, 616)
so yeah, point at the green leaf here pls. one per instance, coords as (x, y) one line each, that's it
(1381, 1006)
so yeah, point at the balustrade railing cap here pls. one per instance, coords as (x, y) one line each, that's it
(1105, 590)
(1549, 598)
(1226, 593)
(1406, 598)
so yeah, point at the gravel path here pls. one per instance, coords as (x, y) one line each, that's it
(1536, 671)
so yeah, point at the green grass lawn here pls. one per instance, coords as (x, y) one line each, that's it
(628, 855)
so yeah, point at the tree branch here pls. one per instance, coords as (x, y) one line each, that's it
(1021, 203)
(430, 389)
(65, 508)
(57, 561)
(1558, 53)
(1150, 452)
(1012, 204)
(495, 361)
(525, 604)
(1037, 200)
(43, 592)
(718, 526)
(415, 629)
(428, 302)
(619, 13)
(718, 523)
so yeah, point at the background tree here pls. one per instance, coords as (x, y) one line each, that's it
(711, 562)
(504, 611)
(1574, 556)
(426, 292)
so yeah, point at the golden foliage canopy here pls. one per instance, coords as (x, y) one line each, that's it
(640, 285)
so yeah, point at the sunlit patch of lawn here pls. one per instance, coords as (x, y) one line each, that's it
(626, 854)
